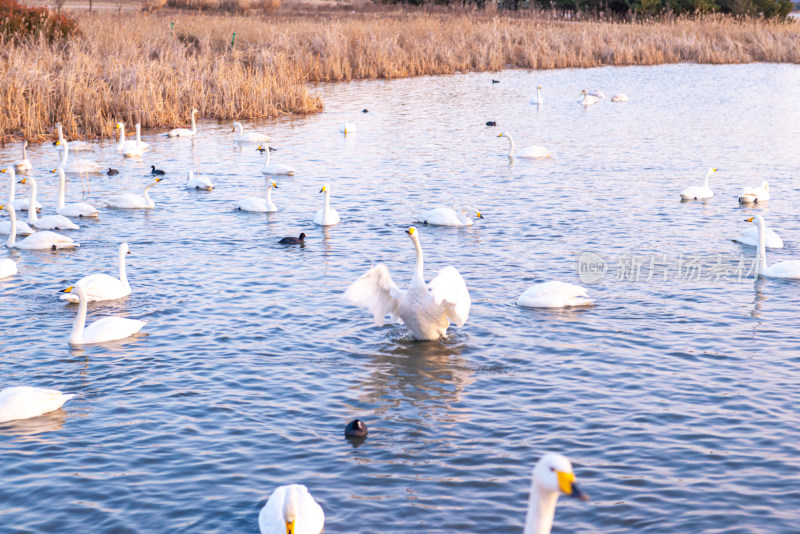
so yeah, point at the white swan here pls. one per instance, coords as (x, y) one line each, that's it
(37, 240)
(348, 128)
(123, 144)
(18, 203)
(48, 222)
(73, 209)
(554, 294)
(449, 217)
(291, 510)
(699, 192)
(537, 100)
(258, 204)
(198, 182)
(622, 97)
(755, 194)
(138, 147)
(273, 168)
(426, 310)
(533, 151)
(75, 146)
(597, 94)
(588, 99)
(80, 166)
(749, 236)
(8, 267)
(22, 228)
(782, 269)
(103, 329)
(552, 476)
(100, 286)
(326, 216)
(24, 164)
(249, 137)
(131, 201)
(24, 402)
(183, 132)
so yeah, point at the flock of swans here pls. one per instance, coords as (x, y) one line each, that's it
(426, 308)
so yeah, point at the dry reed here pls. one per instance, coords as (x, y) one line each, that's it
(131, 67)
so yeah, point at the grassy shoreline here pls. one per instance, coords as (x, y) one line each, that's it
(129, 66)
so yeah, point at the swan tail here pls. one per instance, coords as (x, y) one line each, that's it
(450, 291)
(376, 291)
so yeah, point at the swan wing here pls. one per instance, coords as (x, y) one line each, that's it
(376, 291)
(554, 294)
(56, 222)
(24, 402)
(252, 204)
(22, 228)
(440, 217)
(110, 329)
(78, 209)
(450, 291)
(8, 267)
(534, 151)
(99, 286)
(783, 269)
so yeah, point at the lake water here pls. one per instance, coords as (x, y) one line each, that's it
(676, 400)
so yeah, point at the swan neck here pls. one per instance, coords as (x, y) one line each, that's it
(12, 188)
(239, 131)
(705, 180)
(418, 273)
(194, 124)
(541, 511)
(62, 185)
(24, 151)
(326, 206)
(32, 217)
(266, 159)
(511, 146)
(148, 201)
(76, 335)
(121, 137)
(539, 94)
(138, 134)
(64, 155)
(762, 248)
(123, 277)
(60, 132)
(269, 192)
(12, 233)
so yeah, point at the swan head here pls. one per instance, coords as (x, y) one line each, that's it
(274, 185)
(325, 189)
(478, 214)
(553, 475)
(124, 248)
(538, 86)
(158, 180)
(60, 142)
(503, 134)
(6, 207)
(119, 126)
(291, 504)
(583, 92)
(24, 143)
(23, 181)
(236, 125)
(412, 233)
(758, 219)
(10, 171)
(194, 111)
(711, 170)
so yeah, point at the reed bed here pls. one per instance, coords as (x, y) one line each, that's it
(131, 67)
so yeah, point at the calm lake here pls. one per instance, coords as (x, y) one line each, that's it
(675, 396)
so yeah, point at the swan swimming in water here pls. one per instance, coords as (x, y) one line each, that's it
(326, 215)
(73, 209)
(103, 329)
(699, 192)
(132, 201)
(622, 97)
(755, 194)
(24, 164)
(749, 236)
(100, 286)
(782, 269)
(537, 100)
(426, 310)
(81, 166)
(183, 132)
(554, 294)
(8, 267)
(48, 222)
(198, 182)
(588, 99)
(18, 203)
(449, 217)
(37, 240)
(273, 168)
(533, 151)
(133, 148)
(75, 146)
(291, 510)
(552, 477)
(249, 137)
(259, 204)
(348, 128)
(24, 402)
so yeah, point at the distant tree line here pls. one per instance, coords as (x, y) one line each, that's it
(779, 9)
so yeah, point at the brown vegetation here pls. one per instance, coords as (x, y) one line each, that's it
(132, 67)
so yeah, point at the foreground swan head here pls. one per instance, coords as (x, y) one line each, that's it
(291, 510)
(552, 477)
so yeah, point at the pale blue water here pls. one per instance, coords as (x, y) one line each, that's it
(676, 401)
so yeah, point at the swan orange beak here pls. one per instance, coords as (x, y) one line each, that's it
(290, 527)
(478, 214)
(68, 290)
(567, 485)
(749, 220)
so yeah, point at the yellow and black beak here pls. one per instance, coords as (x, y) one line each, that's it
(478, 214)
(159, 179)
(260, 148)
(411, 231)
(54, 170)
(4, 170)
(749, 220)
(501, 135)
(568, 486)
(24, 180)
(290, 527)
(68, 290)
(322, 190)
(57, 142)
(274, 185)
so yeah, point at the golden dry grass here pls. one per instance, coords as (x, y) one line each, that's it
(130, 67)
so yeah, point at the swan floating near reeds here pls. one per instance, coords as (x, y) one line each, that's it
(326, 215)
(131, 200)
(273, 168)
(183, 132)
(537, 100)
(249, 137)
(38, 240)
(588, 99)
(73, 209)
(18, 203)
(24, 164)
(48, 222)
